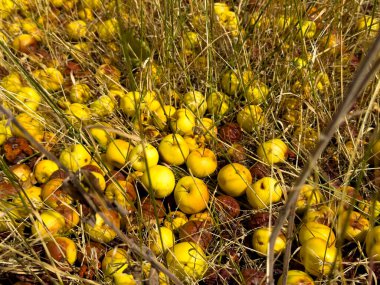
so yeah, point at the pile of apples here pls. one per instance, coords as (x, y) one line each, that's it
(174, 171)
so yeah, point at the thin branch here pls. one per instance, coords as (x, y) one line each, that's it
(366, 72)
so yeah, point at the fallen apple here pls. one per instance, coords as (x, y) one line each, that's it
(234, 179)
(191, 195)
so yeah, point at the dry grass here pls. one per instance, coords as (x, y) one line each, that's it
(150, 54)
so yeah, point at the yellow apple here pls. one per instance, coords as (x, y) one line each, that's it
(234, 179)
(27, 200)
(115, 261)
(159, 179)
(207, 128)
(108, 30)
(43, 169)
(117, 152)
(5, 131)
(100, 231)
(80, 93)
(313, 229)
(218, 104)
(196, 102)
(307, 29)
(352, 225)
(124, 279)
(230, 82)
(296, 277)
(75, 157)
(25, 43)
(12, 82)
(264, 192)
(86, 14)
(50, 78)
(368, 23)
(175, 220)
(173, 149)
(201, 162)
(187, 261)
(183, 122)
(29, 98)
(372, 243)
(62, 249)
(272, 151)
(52, 223)
(92, 4)
(131, 102)
(76, 30)
(317, 257)
(78, 113)
(101, 135)
(103, 106)
(250, 117)
(323, 215)
(162, 115)
(309, 196)
(143, 156)
(260, 241)
(6, 8)
(53, 195)
(160, 240)
(123, 193)
(376, 151)
(191, 195)
(30, 124)
(256, 92)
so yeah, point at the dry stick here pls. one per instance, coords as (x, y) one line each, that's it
(367, 70)
(143, 251)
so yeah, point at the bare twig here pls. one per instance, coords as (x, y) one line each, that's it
(367, 70)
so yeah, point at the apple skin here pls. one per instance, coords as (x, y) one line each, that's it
(160, 179)
(357, 227)
(313, 229)
(234, 179)
(123, 193)
(230, 82)
(260, 241)
(196, 231)
(30, 124)
(76, 29)
(123, 279)
(53, 223)
(256, 92)
(24, 207)
(102, 136)
(100, 231)
(160, 240)
(323, 215)
(317, 257)
(296, 277)
(191, 195)
(29, 98)
(143, 156)
(75, 157)
(62, 249)
(201, 162)
(375, 150)
(218, 104)
(309, 196)
(53, 196)
(183, 122)
(250, 118)
(115, 261)
(264, 193)
(196, 102)
(187, 261)
(117, 152)
(50, 78)
(175, 220)
(44, 169)
(173, 149)
(272, 151)
(372, 243)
